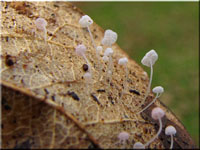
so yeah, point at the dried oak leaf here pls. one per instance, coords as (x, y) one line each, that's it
(45, 102)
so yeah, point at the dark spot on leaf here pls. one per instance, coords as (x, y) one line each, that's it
(46, 91)
(101, 90)
(111, 84)
(85, 67)
(9, 61)
(55, 5)
(145, 130)
(95, 99)
(134, 91)
(7, 38)
(111, 99)
(73, 95)
(53, 97)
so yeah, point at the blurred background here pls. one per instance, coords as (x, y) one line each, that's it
(172, 29)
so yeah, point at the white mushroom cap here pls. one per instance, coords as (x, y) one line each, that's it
(80, 49)
(41, 23)
(123, 136)
(108, 51)
(99, 49)
(170, 130)
(87, 76)
(110, 37)
(123, 61)
(158, 89)
(105, 58)
(85, 21)
(149, 58)
(138, 145)
(157, 113)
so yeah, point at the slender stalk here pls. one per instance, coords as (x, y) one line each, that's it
(172, 142)
(156, 136)
(45, 34)
(149, 86)
(126, 78)
(93, 43)
(125, 82)
(157, 95)
(97, 54)
(109, 77)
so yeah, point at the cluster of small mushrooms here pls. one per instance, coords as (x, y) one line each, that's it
(110, 37)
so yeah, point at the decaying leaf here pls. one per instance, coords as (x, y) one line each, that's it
(45, 102)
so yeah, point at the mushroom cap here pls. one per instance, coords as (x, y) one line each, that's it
(110, 37)
(85, 21)
(105, 58)
(123, 136)
(170, 130)
(138, 145)
(108, 51)
(149, 58)
(158, 89)
(87, 76)
(123, 61)
(99, 49)
(157, 113)
(80, 49)
(40, 23)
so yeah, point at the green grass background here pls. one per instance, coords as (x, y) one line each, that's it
(171, 28)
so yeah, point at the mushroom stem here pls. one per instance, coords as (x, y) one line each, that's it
(156, 136)
(157, 95)
(124, 82)
(149, 86)
(126, 78)
(109, 71)
(172, 142)
(93, 43)
(45, 34)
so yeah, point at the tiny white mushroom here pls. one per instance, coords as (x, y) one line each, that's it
(138, 145)
(80, 50)
(85, 21)
(105, 58)
(170, 130)
(123, 61)
(99, 49)
(41, 24)
(110, 37)
(123, 137)
(149, 60)
(158, 90)
(157, 114)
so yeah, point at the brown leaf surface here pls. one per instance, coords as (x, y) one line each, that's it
(37, 76)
